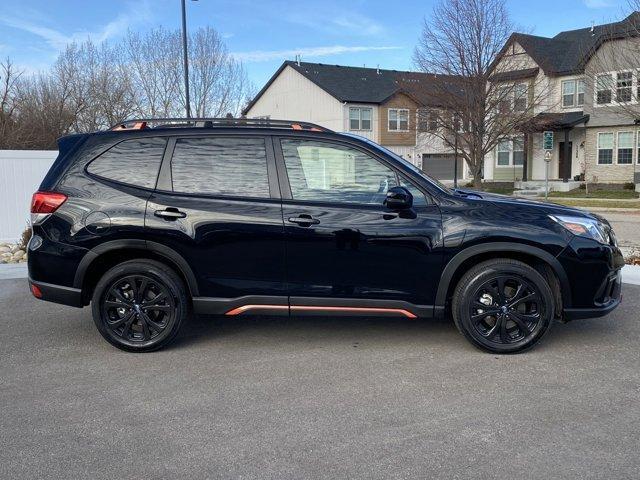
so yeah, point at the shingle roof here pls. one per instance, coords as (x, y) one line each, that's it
(360, 84)
(568, 51)
(556, 121)
(515, 74)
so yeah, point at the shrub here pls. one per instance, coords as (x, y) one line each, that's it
(629, 186)
(24, 238)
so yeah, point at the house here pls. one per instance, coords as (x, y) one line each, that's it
(586, 104)
(374, 103)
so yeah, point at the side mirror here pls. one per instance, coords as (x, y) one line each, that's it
(398, 198)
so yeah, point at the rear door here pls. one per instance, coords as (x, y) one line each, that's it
(217, 204)
(344, 247)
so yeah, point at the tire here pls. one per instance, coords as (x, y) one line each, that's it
(140, 305)
(503, 306)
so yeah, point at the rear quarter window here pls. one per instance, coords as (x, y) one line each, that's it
(134, 162)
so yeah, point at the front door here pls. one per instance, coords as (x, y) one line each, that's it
(343, 246)
(564, 164)
(217, 205)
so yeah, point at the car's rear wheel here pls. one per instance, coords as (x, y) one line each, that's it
(503, 306)
(139, 305)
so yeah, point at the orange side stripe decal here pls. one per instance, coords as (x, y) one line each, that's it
(245, 308)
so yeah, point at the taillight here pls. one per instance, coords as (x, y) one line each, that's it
(47, 202)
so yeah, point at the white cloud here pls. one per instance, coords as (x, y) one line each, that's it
(599, 3)
(342, 22)
(312, 52)
(58, 40)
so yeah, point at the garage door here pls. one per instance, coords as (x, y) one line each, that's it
(440, 166)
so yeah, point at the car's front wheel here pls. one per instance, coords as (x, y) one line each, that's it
(503, 306)
(139, 305)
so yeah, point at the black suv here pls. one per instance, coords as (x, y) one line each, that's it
(155, 219)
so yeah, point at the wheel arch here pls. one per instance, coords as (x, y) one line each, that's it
(475, 254)
(104, 256)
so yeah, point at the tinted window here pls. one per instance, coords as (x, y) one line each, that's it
(221, 166)
(135, 161)
(322, 171)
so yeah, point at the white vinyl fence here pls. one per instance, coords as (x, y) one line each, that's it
(21, 172)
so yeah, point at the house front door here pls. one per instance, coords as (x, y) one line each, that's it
(564, 162)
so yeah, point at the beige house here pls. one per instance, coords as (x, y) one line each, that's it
(581, 102)
(370, 102)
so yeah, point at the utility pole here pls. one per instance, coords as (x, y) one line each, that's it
(186, 59)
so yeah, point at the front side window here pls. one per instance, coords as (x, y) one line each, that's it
(568, 93)
(225, 166)
(603, 89)
(504, 152)
(398, 119)
(605, 148)
(359, 118)
(623, 87)
(327, 172)
(135, 162)
(625, 147)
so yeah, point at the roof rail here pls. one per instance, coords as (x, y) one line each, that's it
(206, 122)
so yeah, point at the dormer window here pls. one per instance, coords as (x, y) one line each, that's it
(573, 93)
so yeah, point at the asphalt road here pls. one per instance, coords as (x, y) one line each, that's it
(315, 398)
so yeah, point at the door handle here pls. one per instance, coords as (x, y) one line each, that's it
(304, 220)
(170, 213)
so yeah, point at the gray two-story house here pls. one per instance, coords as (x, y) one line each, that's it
(588, 104)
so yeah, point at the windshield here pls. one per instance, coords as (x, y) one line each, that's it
(406, 163)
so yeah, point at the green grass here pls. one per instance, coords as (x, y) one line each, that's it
(595, 203)
(501, 191)
(580, 193)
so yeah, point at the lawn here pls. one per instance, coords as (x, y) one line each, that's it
(580, 193)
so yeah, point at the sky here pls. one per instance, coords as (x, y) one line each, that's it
(265, 33)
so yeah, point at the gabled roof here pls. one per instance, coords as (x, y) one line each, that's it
(359, 84)
(568, 52)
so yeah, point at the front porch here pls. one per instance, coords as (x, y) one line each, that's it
(567, 154)
(532, 188)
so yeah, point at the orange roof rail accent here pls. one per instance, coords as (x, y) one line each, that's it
(295, 126)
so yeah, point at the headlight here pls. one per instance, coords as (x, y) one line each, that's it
(584, 227)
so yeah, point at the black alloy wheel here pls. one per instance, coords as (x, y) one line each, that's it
(503, 306)
(139, 305)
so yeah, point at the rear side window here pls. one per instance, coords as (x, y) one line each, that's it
(227, 166)
(134, 161)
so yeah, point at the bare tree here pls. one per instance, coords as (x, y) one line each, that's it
(474, 103)
(9, 127)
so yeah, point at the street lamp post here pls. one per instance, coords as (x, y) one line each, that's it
(186, 59)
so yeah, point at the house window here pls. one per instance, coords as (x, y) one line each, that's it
(603, 89)
(625, 147)
(518, 151)
(623, 87)
(581, 88)
(510, 152)
(504, 152)
(504, 100)
(605, 148)
(359, 118)
(427, 120)
(573, 93)
(398, 119)
(568, 93)
(520, 97)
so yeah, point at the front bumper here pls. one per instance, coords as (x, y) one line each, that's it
(609, 297)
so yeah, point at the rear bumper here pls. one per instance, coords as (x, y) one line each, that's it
(608, 298)
(57, 293)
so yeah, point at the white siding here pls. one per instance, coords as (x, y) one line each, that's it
(21, 172)
(291, 96)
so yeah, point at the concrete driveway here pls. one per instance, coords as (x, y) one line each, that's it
(315, 398)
